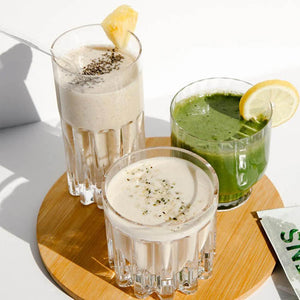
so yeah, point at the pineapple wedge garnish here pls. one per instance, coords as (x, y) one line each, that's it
(118, 24)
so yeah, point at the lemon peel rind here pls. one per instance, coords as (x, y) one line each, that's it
(269, 86)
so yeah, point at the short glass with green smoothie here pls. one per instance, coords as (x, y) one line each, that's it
(205, 119)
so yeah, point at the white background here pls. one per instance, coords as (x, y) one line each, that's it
(183, 41)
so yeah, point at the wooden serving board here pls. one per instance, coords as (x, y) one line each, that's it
(72, 243)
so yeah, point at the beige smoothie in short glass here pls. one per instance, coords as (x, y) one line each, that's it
(160, 216)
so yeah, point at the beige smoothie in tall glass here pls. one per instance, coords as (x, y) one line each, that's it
(100, 101)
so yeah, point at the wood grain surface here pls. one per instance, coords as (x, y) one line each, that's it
(72, 243)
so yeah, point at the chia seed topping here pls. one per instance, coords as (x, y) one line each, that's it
(157, 192)
(108, 61)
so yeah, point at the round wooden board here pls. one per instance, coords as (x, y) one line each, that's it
(72, 244)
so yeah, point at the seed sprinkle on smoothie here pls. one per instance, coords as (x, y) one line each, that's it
(153, 191)
(110, 60)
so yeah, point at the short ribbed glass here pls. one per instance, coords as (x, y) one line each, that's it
(239, 162)
(102, 116)
(162, 258)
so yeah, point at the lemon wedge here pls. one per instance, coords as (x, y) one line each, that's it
(282, 94)
(118, 24)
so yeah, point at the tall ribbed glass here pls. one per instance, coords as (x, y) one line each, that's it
(100, 100)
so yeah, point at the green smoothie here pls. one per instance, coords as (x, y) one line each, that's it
(237, 149)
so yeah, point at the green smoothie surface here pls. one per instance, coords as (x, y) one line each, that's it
(214, 117)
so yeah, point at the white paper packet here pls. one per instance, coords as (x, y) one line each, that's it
(282, 226)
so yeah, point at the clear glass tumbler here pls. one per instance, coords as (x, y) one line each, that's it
(239, 160)
(171, 255)
(100, 100)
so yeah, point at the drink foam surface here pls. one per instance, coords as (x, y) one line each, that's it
(157, 190)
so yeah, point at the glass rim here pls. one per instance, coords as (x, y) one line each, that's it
(214, 180)
(215, 141)
(54, 58)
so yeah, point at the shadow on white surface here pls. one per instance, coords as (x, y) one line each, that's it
(282, 284)
(33, 155)
(17, 107)
(156, 127)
